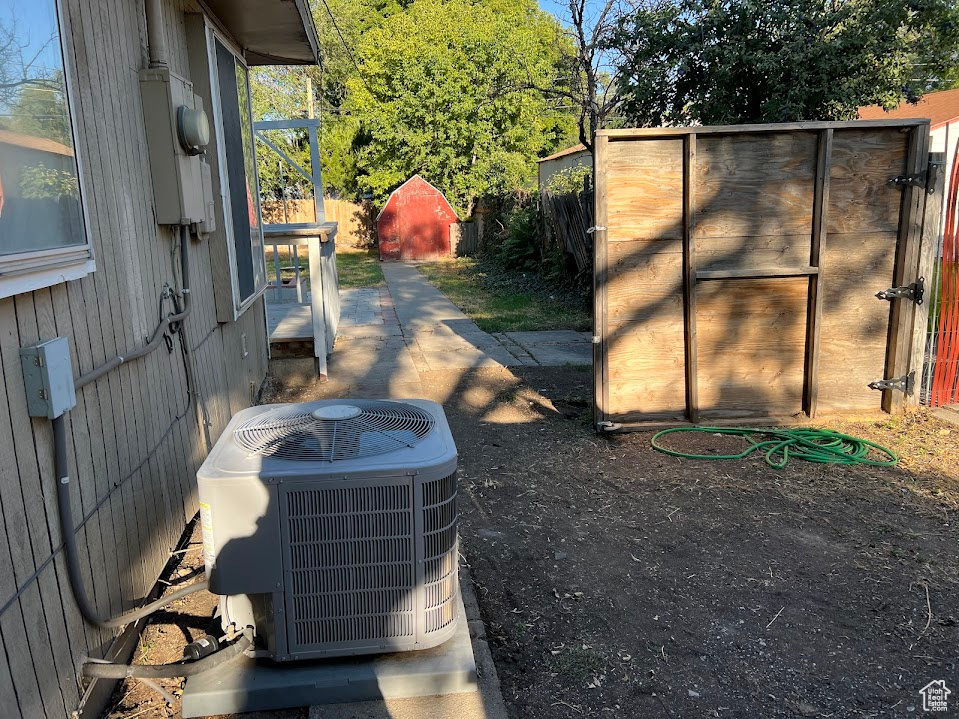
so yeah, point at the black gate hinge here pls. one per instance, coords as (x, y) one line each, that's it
(913, 292)
(905, 384)
(925, 179)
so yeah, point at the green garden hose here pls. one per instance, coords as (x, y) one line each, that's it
(779, 445)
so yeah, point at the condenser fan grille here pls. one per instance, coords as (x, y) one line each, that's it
(359, 428)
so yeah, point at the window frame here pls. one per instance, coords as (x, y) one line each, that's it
(213, 35)
(23, 272)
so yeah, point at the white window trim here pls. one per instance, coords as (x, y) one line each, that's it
(214, 34)
(28, 271)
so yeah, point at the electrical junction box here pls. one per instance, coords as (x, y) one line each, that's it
(48, 378)
(208, 225)
(176, 130)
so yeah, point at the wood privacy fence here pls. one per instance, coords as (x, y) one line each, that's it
(736, 270)
(568, 218)
(355, 221)
(464, 239)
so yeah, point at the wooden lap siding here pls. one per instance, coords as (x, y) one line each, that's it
(134, 461)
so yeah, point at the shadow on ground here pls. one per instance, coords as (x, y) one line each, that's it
(618, 581)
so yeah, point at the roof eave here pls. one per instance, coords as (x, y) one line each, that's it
(270, 32)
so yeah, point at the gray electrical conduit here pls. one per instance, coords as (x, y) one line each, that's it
(154, 340)
(64, 501)
(98, 670)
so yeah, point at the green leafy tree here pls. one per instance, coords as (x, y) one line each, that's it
(731, 61)
(282, 92)
(41, 110)
(447, 92)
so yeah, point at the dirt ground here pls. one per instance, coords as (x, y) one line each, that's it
(163, 640)
(618, 581)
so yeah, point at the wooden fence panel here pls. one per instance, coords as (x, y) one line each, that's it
(737, 268)
(464, 239)
(644, 278)
(355, 221)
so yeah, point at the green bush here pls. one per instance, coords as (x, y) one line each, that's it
(519, 248)
(572, 179)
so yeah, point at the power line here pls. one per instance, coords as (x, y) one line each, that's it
(349, 52)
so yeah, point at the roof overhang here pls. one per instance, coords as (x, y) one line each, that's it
(270, 32)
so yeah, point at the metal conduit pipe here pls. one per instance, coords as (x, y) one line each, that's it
(155, 36)
(165, 671)
(154, 340)
(72, 554)
(64, 501)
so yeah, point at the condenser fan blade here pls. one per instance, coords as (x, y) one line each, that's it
(337, 431)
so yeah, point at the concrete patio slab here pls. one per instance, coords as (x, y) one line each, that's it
(552, 348)
(388, 335)
(550, 337)
(369, 331)
(442, 336)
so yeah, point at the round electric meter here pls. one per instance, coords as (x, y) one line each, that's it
(193, 129)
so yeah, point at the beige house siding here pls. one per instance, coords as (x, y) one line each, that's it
(553, 164)
(135, 444)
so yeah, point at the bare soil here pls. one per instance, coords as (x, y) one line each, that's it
(615, 580)
(163, 640)
(618, 581)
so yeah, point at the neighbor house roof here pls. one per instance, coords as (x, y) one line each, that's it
(271, 32)
(940, 107)
(563, 153)
(34, 143)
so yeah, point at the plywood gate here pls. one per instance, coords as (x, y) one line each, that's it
(737, 268)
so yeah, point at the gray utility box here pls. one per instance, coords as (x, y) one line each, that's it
(177, 176)
(48, 378)
(331, 527)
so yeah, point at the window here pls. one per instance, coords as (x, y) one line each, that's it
(238, 177)
(43, 238)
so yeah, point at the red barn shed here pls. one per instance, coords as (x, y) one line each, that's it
(415, 223)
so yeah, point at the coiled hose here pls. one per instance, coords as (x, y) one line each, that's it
(778, 446)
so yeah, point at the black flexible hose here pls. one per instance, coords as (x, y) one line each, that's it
(68, 534)
(166, 671)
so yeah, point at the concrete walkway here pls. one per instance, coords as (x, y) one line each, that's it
(437, 333)
(389, 335)
(387, 338)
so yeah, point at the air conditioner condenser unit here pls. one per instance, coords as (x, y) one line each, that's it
(331, 527)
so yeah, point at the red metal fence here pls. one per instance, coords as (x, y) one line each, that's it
(945, 378)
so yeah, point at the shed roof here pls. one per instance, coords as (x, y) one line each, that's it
(412, 179)
(271, 32)
(34, 143)
(563, 153)
(940, 107)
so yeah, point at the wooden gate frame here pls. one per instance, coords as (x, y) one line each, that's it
(917, 236)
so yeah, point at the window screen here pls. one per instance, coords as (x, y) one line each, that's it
(240, 171)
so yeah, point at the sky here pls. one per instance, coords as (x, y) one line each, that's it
(35, 22)
(557, 8)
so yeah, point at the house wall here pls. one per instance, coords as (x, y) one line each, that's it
(548, 168)
(945, 138)
(135, 443)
